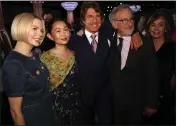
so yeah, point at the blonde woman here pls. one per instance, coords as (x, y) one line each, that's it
(25, 78)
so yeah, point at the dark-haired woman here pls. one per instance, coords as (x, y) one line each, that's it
(159, 29)
(64, 77)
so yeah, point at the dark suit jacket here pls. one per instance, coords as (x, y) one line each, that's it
(91, 65)
(136, 86)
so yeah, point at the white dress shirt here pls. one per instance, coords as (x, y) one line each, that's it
(125, 49)
(88, 34)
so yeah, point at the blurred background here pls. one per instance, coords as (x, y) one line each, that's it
(12, 8)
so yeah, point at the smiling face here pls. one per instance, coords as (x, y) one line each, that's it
(35, 33)
(60, 33)
(123, 22)
(92, 20)
(157, 28)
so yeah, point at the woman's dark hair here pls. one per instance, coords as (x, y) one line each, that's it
(85, 6)
(49, 29)
(156, 15)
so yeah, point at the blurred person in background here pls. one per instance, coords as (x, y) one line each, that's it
(142, 24)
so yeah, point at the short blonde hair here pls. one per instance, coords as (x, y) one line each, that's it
(20, 25)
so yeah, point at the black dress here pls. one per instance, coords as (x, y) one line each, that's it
(66, 87)
(27, 77)
(166, 61)
(68, 100)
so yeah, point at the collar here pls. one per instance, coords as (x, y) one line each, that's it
(88, 34)
(124, 37)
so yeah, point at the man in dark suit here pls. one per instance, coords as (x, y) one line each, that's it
(133, 74)
(91, 53)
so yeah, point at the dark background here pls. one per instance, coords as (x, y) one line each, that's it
(12, 8)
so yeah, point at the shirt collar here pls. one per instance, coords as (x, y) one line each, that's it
(88, 34)
(124, 37)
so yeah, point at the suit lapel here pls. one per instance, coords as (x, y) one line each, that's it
(88, 45)
(100, 41)
(131, 52)
(130, 57)
(115, 58)
(87, 42)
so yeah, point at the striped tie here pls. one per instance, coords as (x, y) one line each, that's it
(94, 43)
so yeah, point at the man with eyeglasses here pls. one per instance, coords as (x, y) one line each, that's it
(92, 51)
(133, 74)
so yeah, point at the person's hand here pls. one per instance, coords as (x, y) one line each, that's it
(136, 41)
(149, 111)
(80, 32)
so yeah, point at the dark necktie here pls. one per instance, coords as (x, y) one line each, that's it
(120, 44)
(120, 49)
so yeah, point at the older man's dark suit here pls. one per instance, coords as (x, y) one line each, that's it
(94, 76)
(136, 86)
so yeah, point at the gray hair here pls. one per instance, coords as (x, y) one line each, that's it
(117, 9)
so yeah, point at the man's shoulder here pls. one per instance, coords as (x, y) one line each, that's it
(76, 36)
(75, 41)
(106, 34)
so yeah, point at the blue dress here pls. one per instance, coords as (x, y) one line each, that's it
(28, 77)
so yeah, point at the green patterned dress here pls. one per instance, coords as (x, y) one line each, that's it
(66, 88)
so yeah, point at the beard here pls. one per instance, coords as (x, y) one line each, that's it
(126, 32)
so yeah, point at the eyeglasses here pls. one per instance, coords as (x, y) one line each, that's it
(125, 21)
